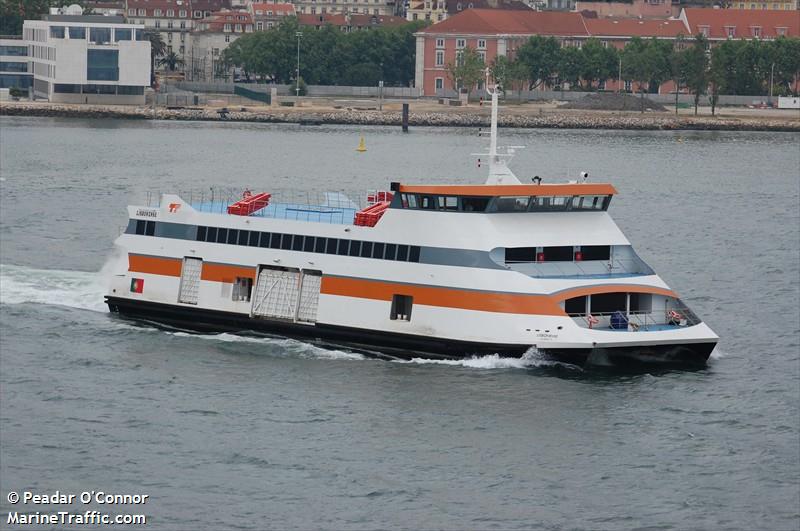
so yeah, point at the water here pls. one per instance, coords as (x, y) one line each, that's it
(231, 431)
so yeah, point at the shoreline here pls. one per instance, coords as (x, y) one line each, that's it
(473, 116)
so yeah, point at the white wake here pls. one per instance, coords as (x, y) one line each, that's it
(75, 289)
(532, 358)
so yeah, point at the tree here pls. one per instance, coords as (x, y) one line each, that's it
(14, 12)
(637, 64)
(716, 76)
(467, 70)
(157, 49)
(540, 55)
(784, 53)
(171, 61)
(570, 65)
(695, 68)
(676, 60)
(598, 64)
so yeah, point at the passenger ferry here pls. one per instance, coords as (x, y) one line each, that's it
(446, 271)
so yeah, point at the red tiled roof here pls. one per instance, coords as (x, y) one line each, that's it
(282, 9)
(717, 21)
(216, 21)
(500, 21)
(632, 27)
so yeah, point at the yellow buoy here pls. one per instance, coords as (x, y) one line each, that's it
(362, 146)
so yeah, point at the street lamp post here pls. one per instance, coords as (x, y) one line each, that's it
(771, 76)
(298, 34)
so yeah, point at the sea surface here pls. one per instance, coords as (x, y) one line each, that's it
(225, 431)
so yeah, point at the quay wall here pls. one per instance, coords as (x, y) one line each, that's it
(464, 117)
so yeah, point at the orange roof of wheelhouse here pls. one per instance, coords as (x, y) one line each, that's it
(507, 190)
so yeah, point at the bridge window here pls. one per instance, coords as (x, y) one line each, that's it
(428, 202)
(448, 203)
(543, 203)
(474, 204)
(511, 204)
(589, 202)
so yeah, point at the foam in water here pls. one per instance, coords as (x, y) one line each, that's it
(532, 358)
(75, 289)
(291, 346)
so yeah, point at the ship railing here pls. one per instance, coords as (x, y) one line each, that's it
(639, 320)
(585, 268)
(338, 206)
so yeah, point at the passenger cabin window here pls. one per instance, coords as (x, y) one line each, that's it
(401, 307)
(589, 202)
(448, 203)
(474, 204)
(544, 203)
(520, 254)
(242, 289)
(556, 254)
(593, 252)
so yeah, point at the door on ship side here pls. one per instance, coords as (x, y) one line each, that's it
(287, 294)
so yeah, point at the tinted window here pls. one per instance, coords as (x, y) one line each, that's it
(331, 247)
(150, 228)
(244, 237)
(297, 244)
(102, 65)
(402, 252)
(286, 243)
(308, 245)
(222, 235)
(211, 234)
(428, 201)
(275, 242)
(254, 239)
(355, 248)
(558, 254)
(319, 245)
(414, 254)
(511, 204)
(233, 236)
(474, 204)
(366, 249)
(76, 32)
(201, 234)
(595, 252)
(575, 305)
(391, 250)
(520, 254)
(344, 246)
(140, 225)
(264, 242)
(377, 250)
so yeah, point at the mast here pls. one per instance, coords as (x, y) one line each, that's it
(499, 172)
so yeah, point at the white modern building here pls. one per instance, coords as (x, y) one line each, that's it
(14, 71)
(79, 58)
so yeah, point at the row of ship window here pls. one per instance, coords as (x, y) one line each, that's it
(309, 244)
(505, 204)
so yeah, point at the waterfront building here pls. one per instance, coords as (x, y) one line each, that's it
(348, 23)
(438, 10)
(628, 8)
(78, 58)
(364, 7)
(14, 65)
(497, 32)
(211, 36)
(267, 15)
(173, 19)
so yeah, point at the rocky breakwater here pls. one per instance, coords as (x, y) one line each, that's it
(462, 117)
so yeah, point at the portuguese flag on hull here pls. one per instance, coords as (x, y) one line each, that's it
(137, 285)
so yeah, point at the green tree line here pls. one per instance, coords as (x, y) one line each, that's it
(14, 12)
(328, 56)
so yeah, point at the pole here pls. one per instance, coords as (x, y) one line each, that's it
(405, 117)
(298, 34)
(619, 80)
(771, 76)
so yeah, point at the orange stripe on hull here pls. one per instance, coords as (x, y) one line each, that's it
(155, 265)
(226, 273)
(519, 303)
(611, 288)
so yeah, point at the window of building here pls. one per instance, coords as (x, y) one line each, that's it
(628, 86)
(440, 43)
(102, 65)
(56, 32)
(131, 11)
(170, 13)
(121, 34)
(157, 24)
(439, 58)
(703, 30)
(730, 31)
(401, 307)
(16, 51)
(259, 26)
(227, 27)
(242, 289)
(238, 28)
(142, 13)
(183, 25)
(8, 66)
(780, 31)
(169, 25)
(182, 13)
(197, 14)
(481, 44)
(63, 88)
(756, 31)
(461, 43)
(227, 38)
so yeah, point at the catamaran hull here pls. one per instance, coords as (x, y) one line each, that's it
(403, 346)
